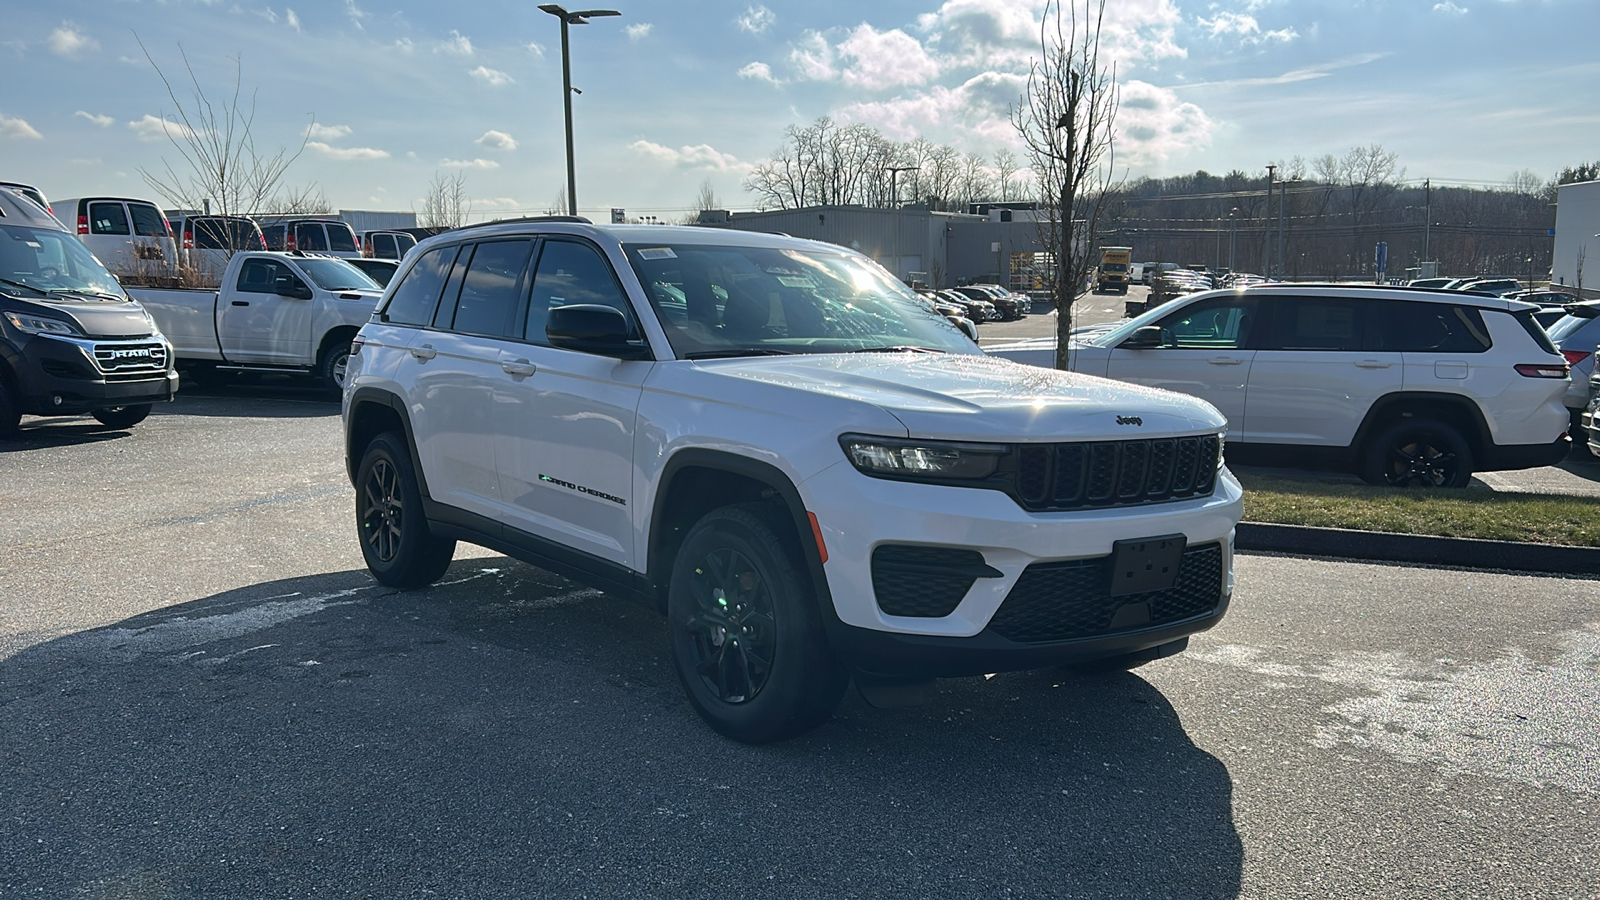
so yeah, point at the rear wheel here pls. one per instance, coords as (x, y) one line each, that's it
(746, 635)
(399, 548)
(10, 415)
(122, 416)
(1417, 452)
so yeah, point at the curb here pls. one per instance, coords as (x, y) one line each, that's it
(1307, 540)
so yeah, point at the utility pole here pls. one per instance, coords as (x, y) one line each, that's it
(894, 188)
(1271, 170)
(1427, 217)
(1233, 230)
(1283, 201)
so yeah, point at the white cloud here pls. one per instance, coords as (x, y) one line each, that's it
(1245, 27)
(356, 14)
(1004, 34)
(151, 128)
(1153, 125)
(758, 71)
(69, 41)
(1449, 8)
(498, 140)
(321, 132)
(639, 30)
(102, 121)
(404, 45)
(470, 163)
(491, 77)
(699, 156)
(756, 19)
(885, 59)
(496, 203)
(976, 111)
(11, 127)
(291, 18)
(457, 44)
(347, 153)
(812, 57)
(537, 49)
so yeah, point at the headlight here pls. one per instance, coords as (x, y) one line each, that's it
(40, 324)
(931, 460)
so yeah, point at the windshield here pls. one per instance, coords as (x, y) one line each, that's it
(719, 300)
(51, 260)
(337, 275)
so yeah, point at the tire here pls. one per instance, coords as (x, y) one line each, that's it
(332, 366)
(746, 633)
(122, 416)
(10, 414)
(395, 541)
(1420, 452)
(1580, 439)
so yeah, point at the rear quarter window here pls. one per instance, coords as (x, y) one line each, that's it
(147, 220)
(1411, 326)
(341, 237)
(1531, 326)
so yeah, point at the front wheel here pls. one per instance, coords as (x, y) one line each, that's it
(122, 416)
(334, 366)
(399, 548)
(746, 634)
(10, 415)
(1417, 452)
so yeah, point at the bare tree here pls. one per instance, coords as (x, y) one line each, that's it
(1005, 168)
(558, 206)
(1065, 119)
(446, 205)
(306, 200)
(1583, 251)
(215, 137)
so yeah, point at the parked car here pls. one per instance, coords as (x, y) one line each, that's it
(768, 440)
(1589, 419)
(1576, 335)
(1408, 387)
(1429, 282)
(956, 315)
(71, 341)
(321, 235)
(206, 243)
(29, 191)
(386, 244)
(379, 270)
(1496, 286)
(979, 309)
(274, 312)
(1009, 302)
(1006, 307)
(127, 234)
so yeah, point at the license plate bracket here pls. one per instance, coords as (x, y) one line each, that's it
(1144, 565)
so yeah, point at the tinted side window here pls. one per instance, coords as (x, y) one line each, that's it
(341, 237)
(260, 276)
(490, 291)
(274, 235)
(1417, 327)
(147, 220)
(107, 218)
(403, 242)
(570, 272)
(310, 236)
(383, 246)
(1221, 324)
(1311, 323)
(414, 299)
(208, 235)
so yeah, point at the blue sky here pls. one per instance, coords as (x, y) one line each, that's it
(1465, 91)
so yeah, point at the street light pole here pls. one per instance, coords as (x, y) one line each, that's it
(894, 188)
(1233, 230)
(578, 17)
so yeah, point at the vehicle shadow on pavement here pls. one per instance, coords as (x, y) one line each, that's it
(55, 433)
(507, 733)
(256, 404)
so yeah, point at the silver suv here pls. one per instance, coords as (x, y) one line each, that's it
(813, 475)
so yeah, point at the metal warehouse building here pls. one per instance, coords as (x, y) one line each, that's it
(1578, 237)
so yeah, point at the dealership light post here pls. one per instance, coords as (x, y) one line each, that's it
(894, 188)
(579, 17)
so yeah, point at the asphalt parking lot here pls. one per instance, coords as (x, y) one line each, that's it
(202, 693)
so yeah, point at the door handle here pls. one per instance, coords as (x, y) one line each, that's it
(425, 351)
(1224, 361)
(241, 303)
(1373, 364)
(518, 367)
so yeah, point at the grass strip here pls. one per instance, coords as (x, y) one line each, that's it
(1489, 515)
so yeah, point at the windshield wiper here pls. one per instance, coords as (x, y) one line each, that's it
(84, 293)
(901, 348)
(26, 287)
(731, 353)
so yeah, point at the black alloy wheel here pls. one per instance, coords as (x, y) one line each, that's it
(746, 633)
(1418, 453)
(396, 542)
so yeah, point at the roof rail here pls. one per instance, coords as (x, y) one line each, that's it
(580, 220)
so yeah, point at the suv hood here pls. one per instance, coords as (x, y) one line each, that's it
(98, 316)
(977, 397)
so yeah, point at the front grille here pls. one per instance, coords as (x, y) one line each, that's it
(924, 582)
(1065, 600)
(1115, 473)
(138, 359)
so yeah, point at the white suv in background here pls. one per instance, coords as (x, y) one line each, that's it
(1411, 387)
(770, 440)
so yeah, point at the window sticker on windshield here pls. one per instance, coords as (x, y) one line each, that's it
(658, 253)
(796, 281)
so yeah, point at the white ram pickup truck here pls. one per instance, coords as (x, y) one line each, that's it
(274, 312)
(815, 477)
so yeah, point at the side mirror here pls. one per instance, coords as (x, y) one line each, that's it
(291, 287)
(1145, 337)
(592, 328)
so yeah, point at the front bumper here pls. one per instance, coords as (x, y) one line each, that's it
(857, 514)
(61, 376)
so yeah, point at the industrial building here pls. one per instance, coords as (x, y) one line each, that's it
(1576, 262)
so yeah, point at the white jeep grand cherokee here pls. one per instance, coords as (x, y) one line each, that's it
(770, 440)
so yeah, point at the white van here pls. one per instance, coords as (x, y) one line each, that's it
(331, 237)
(206, 243)
(128, 235)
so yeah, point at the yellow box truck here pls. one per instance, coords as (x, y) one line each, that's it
(1112, 274)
